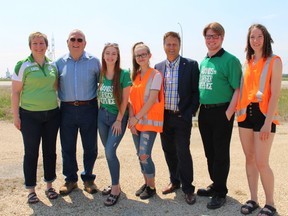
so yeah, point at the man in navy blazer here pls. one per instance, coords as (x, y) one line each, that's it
(181, 77)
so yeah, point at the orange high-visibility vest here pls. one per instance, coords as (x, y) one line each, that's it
(139, 94)
(256, 87)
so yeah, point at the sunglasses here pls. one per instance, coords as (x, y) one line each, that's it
(80, 40)
(111, 44)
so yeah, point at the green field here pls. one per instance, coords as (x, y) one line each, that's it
(6, 114)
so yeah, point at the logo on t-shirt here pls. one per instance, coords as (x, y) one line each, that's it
(106, 95)
(206, 78)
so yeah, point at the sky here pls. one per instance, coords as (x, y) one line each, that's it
(129, 21)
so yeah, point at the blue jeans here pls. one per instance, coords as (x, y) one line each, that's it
(83, 119)
(37, 126)
(144, 142)
(110, 141)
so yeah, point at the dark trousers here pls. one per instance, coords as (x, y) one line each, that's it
(83, 119)
(37, 126)
(216, 131)
(175, 140)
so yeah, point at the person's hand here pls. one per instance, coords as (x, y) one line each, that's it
(133, 130)
(17, 122)
(133, 121)
(229, 115)
(116, 128)
(265, 132)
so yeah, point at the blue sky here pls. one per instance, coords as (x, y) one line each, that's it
(128, 21)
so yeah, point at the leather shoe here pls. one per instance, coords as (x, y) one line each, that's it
(208, 192)
(216, 202)
(170, 188)
(90, 187)
(67, 188)
(190, 198)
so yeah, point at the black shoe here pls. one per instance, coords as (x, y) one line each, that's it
(216, 202)
(140, 190)
(208, 192)
(190, 198)
(147, 193)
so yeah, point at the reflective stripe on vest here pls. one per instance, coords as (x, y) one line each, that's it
(144, 120)
(260, 91)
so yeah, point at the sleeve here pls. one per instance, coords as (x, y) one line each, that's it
(18, 72)
(125, 79)
(157, 82)
(235, 73)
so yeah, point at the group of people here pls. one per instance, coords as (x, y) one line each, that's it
(163, 99)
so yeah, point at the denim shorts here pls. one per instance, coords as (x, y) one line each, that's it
(255, 119)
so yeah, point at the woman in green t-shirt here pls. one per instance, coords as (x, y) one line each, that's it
(36, 113)
(113, 94)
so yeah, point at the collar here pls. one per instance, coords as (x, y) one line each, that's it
(173, 64)
(84, 56)
(31, 59)
(218, 54)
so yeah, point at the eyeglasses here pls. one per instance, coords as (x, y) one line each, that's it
(143, 55)
(111, 44)
(79, 40)
(214, 36)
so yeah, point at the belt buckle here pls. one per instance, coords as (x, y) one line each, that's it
(76, 103)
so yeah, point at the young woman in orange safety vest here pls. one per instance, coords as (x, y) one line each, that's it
(257, 115)
(146, 114)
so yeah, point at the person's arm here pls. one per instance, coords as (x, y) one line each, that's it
(116, 127)
(131, 115)
(233, 103)
(15, 100)
(276, 78)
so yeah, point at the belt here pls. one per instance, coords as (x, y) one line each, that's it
(172, 112)
(209, 106)
(79, 103)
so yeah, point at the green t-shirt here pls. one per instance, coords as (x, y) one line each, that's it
(219, 77)
(38, 91)
(105, 92)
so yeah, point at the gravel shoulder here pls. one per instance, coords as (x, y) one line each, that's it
(13, 196)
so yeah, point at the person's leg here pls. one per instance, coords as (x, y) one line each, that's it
(169, 148)
(88, 131)
(262, 149)
(185, 163)
(207, 138)
(111, 145)
(147, 139)
(49, 136)
(31, 133)
(136, 140)
(68, 137)
(31, 127)
(222, 132)
(248, 146)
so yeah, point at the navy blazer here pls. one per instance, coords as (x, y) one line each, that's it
(188, 79)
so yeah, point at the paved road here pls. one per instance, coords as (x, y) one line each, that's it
(8, 83)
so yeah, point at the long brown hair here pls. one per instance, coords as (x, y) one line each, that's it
(117, 93)
(136, 66)
(267, 47)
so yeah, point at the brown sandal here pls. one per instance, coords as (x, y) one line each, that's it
(32, 198)
(51, 193)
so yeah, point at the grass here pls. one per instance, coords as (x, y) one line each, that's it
(5, 104)
(6, 114)
(283, 105)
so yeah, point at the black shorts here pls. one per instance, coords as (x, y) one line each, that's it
(255, 119)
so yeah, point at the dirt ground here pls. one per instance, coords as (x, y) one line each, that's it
(13, 196)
